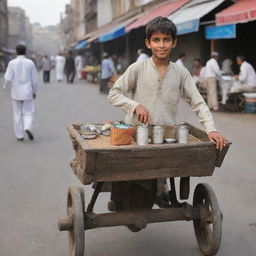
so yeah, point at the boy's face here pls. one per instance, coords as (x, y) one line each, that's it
(161, 45)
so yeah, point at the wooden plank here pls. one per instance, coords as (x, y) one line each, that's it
(221, 155)
(170, 158)
(193, 171)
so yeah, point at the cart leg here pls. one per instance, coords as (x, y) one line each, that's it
(94, 196)
(184, 188)
(173, 195)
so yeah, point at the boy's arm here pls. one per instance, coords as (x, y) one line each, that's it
(125, 83)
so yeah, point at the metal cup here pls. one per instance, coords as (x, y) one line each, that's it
(182, 133)
(158, 134)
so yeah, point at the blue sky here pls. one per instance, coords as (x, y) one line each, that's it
(46, 12)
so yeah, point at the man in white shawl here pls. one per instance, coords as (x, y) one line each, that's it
(23, 74)
(59, 65)
(79, 65)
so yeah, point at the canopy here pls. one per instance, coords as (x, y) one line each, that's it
(187, 19)
(240, 12)
(80, 45)
(163, 10)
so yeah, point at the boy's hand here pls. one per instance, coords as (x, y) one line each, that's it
(219, 139)
(34, 96)
(143, 115)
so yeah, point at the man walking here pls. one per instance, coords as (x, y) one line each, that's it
(70, 68)
(60, 64)
(47, 66)
(22, 73)
(107, 71)
(79, 65)
(212, 75)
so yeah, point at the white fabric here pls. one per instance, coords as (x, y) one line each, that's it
(180, 62)
(194, 10)
(22, 73)
(23, 115)
(247, 74)
(159, 95)
(142, 56)
(79, 66)
(60, 64)
(212, 69)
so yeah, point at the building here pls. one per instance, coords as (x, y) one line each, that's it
(20, 31)
(3, 24)
(46, 40)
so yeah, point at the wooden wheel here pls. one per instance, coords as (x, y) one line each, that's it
(75, 212)
(209, 226)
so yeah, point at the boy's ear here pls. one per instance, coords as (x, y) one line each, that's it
(147, 43)
(175, 43)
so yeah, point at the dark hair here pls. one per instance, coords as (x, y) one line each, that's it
(21, 49)
(183, 54)
(163, 25)
(241, 57)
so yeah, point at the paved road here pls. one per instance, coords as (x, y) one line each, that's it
(34, 177)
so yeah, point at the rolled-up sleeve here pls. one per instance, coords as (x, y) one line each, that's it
(126, 83)
(191, 94)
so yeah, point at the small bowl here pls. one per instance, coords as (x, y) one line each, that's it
(170, 140)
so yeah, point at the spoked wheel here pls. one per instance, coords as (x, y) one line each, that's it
(208, 227)
(75, 212)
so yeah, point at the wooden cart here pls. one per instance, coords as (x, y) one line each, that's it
(97, 162)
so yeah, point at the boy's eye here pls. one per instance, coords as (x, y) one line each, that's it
(167, 40)
(156, 40)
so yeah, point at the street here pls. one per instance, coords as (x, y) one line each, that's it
(35, 175)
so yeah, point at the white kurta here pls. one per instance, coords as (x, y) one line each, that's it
(23, 75)
(159, 95)
(60, 64)
(79, 66)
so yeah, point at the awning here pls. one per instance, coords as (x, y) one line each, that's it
(110, 31)
(80, 45)
(118, 30)
(163, 10)
(240, 12)
(187, 18)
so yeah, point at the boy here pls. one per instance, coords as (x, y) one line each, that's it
(157, 84)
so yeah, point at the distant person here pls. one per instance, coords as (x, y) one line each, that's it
(60, 64)
(197, 67)
(226, 67)
(79, 65)
(142, 55)
(246, 80)
(212, 75)
(70, 68)
(181, 59)
(107, 71)
(23, 74)
(46, 66)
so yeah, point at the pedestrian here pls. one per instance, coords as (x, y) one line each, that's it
(70, 68)
(181, 59)
(142, 55)
(107, 71)
(23, 74)
(46, 66)
(60, 64)
(156, 86)
(246, 80)
(197, 67)
(212, 75)
(79, 65)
